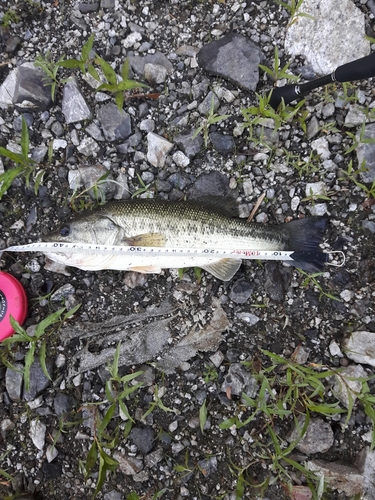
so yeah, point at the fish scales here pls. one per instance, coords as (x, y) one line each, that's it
(181, 224)
(192, 224)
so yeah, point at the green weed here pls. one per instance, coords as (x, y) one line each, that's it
(352, 175)
(116, 85)
(117, 390)
(287, 390)
(311, 279)
(35, 341)
(276, 72)
(23, 164)
(293, 8)
(84, 63)
(50, 69)
(8, 18)
(211, 119)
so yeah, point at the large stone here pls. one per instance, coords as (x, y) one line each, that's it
(318, 437)
(115, 123)
(332, 35)
(235, 58)
(360, 347)
(74, 106)
(25, 87)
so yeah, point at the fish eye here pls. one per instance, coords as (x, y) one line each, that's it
(65, 231)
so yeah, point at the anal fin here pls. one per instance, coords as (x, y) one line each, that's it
(223, 269)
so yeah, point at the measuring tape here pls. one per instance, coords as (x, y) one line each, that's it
(247, 254)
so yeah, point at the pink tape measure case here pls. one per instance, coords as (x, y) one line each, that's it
(13, 302)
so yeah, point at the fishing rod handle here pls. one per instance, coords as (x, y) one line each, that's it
(359, 69)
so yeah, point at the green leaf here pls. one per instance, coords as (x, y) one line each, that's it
(7, 178)
(114, 368)
(119, 99)
(228, 423)
(71, 312)
(108, 71)
(125, 70)
(202, 416)
(16, 157)
(106, 419)
(71, 63)
(48, 321)
(87, 48)
(42, 357)
(130, 84)
(91, 458)
(92, 71)
(240, 487)
(29, 358)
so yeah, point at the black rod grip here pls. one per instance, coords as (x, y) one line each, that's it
(356, 70)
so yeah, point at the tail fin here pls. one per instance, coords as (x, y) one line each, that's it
(305, 235)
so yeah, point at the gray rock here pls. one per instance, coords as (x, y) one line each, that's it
(241, 291)
(74, 106)
(247, 317)
(317, 439)
(191, 147)
(39, 153)
(354, 117)
(223, 144)
(138, 63)
(113, 495)
(86, 8)
(211, 184)
(360, 347)
(158, 149)
(239, 380)
(115, 123)
(95, 132)
(38, 380)
(205, 106)
(369, 225)
(155, 74)
(12, 43)
(143, 438)
(366, 465)
(107, 4)
(31, 92)
(178, 181)
(208, 466)
(121, 187)
(38, 433)
(88, 147)
(63, 404)
(235, 58)
(348, 380)
(13, 382)
(366, 154)
(344, 478)
(276, 279)
(180, 159)
(91, 176)
(334, 36)
(128, 465)
(63, 292)
(312, 127)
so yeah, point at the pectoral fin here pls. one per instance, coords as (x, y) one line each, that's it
(147, 240)
(223, 269)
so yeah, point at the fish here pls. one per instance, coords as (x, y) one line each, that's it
(183, 224)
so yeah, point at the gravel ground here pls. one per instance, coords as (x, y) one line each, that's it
(202, 345)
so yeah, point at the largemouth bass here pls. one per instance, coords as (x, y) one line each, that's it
(182, 224)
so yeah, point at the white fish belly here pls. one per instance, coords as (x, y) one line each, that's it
(139, 263)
